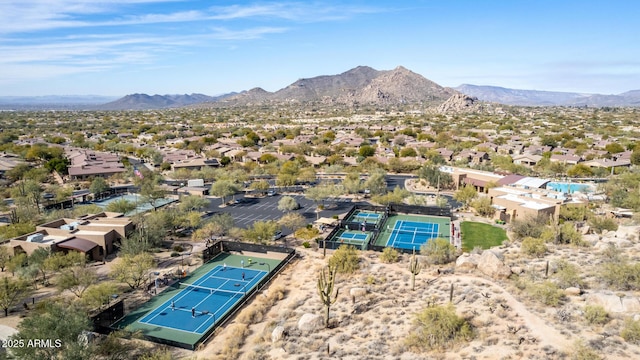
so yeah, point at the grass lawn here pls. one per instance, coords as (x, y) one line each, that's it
(481, 235)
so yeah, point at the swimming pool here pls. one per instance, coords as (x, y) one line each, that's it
(568, 188)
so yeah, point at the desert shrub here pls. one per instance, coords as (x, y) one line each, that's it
(253, 314)
(596, 315)
(599, 223)
(584, 352)
(306, 245)
(528, 227)
(546, 292)
(438, 251)
(573, 213)
(346, 259)
(178, 248)
(389, 255)
(438, 327)
(621, 275)
(568, 234)
(533, 246)
(631, 331)
(231, 348)
(174, 254)
(568, 275)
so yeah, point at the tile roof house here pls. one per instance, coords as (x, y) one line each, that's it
(94, 235)
(86, 164)
(565, 159)
(527, 159)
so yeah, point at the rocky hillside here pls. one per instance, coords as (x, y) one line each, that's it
(459, 103)
(361, 85)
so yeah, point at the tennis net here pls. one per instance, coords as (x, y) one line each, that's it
(351, 239)
(207, 290)
(414, 232)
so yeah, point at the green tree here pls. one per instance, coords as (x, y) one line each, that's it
(38, 259)
(123, 206)
(223, 188)
(76, 279)
(133, 270)
(261, 186)
(287, 204)
(16, 262)
(408, 152)
(5, 256)
(366, 151)
(376, 182)
(11, 291)
(192, 203)
(293, 221)
(261, 232)
(61, 323)
(580, 170)
(150, 189)
(99, 294)
(465, 195)
(352, 183)
(483, 207)
(435, 177)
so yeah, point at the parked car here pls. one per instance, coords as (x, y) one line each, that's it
(277, 235)
(271, 193)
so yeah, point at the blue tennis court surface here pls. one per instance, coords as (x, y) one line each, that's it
(363, 215)
(353, 236)
(199, 305)
(411, 234)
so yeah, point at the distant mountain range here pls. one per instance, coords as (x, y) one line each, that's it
(548, 98)
(360, 85)
(53, 102)
(148, 102)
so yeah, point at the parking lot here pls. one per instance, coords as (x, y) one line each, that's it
(251, 209)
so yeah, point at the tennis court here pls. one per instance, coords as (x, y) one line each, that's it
(411, 231)
(213, 291)
(197, 306)
(362, 216)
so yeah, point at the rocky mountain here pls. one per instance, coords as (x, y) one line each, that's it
(548, 98)
(361, 85)
(459, 103)
(147, 102)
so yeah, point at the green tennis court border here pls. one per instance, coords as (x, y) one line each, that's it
(444, 226)
(378, 240)
(242, 252)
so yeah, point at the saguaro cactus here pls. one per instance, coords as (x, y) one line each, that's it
(326, 283)
(414, 268)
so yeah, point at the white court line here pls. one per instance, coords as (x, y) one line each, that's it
(397, 233)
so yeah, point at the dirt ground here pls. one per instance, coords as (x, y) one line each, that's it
(375, 326)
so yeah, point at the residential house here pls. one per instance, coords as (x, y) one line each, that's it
(87, 164)
(94, 235)
(527, 159)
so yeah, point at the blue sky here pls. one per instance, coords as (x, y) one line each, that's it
(119, 47)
